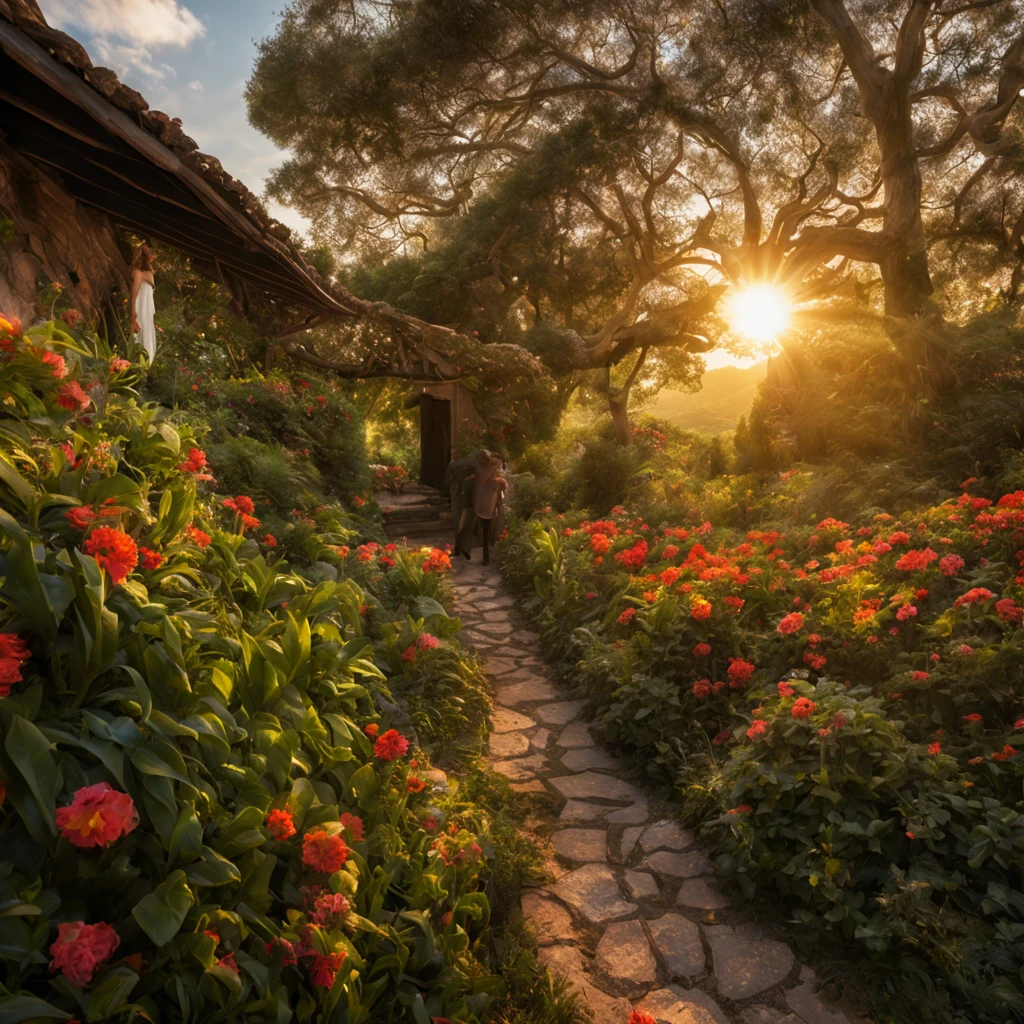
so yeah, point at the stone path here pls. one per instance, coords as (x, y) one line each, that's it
(631, 915)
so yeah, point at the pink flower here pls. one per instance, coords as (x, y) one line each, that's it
(97, 816)
(330, 910)
(80, 948)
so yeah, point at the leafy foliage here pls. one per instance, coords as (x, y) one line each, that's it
(204, 784)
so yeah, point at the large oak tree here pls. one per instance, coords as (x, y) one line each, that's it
(587, 181)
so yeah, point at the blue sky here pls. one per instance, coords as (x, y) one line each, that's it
(191, 59)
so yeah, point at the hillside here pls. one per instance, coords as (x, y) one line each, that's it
(726, 395)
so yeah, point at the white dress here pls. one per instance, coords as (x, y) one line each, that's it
(145, 310)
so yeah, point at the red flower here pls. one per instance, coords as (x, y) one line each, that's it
(70, 396)
(281, 823)
(740, 671)
(269, 541)
(390, 745)
(791, 623)
(195, 463)
(150, 559)
(641, 1017)
(244, 505)
(722, 737)
(626, 617)
(910, 835)
(71, 317)
(284, 949)
(353, 825)
(934, 748)
(97, 816)
(323, 852)
(918, 676)
(916, 560)
(700, 610)
(757, 729)
(113, 550)
(80, 948)
(13, 654)
(742, 809)
(1008, 610)
(701, 650)
(702, 688)
(975, 717)
(437, 562)
(330, 910)
(803, 707)
(325, 967)
(228, 961)
(785, 690)
(973, 596)
(414, 784)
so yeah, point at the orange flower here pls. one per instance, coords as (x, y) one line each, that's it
(323, 852)
(372, 729)
(280, 823)
(113, 550)
(269, 541)
(641, 1017)
(197, 536)
(415, 784)
(97, 816)
(803, 707)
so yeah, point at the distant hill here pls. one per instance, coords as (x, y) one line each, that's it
(725, 396)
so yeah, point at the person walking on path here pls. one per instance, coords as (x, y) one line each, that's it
(142, 305)
(476, 487)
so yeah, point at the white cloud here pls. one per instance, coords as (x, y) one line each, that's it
(133, 64)
(196, 86)
(139, 22)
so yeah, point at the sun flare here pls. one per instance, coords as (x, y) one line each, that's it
(759, 312)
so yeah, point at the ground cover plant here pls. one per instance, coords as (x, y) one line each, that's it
(216, 795)
(839, 703)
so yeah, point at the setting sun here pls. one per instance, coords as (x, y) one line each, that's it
(759, 312)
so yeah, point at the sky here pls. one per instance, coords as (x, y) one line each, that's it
(191, 59)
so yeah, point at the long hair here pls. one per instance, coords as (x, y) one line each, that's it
(143, 259)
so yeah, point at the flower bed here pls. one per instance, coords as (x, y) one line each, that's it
(213, 805)
(842, 704)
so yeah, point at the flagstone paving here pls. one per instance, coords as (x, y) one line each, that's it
(631, 914)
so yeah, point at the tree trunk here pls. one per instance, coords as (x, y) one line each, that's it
(618, 407)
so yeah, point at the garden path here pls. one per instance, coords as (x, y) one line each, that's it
(631, 914)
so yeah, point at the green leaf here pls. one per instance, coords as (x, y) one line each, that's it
(111, 993)
(161, 913)
(29, 749)
(212, 869)
(15, 1009)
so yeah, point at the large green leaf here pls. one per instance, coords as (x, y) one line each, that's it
(15, 1009)
(30, 751)
(161, 913)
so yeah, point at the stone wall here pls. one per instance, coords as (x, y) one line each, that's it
(58, 236)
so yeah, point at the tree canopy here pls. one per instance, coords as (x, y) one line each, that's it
(589, 181)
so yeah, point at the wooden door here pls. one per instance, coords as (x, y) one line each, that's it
(435, 439)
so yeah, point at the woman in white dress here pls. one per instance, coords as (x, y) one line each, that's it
(142, 305)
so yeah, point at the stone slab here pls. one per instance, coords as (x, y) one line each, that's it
(625, 956)
(524, 693)
(576, 734)
(533, 786)
(520, 769)
(506, 720)
(499, 666)
(640, 885)
(592, 758)
(592, 786)
(577, 810)
(539, 740)
(559, 713)
(583, 845)
(566, 961)
(666, 835)
(594, 893)
(550, 921)
(629, 838)
(810, 1007)
(702, 894)
(675, 1005)
(509, 744)
(678, 941)
(767, 1015)
(632, 815)
(745, 966)
(678, 865)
